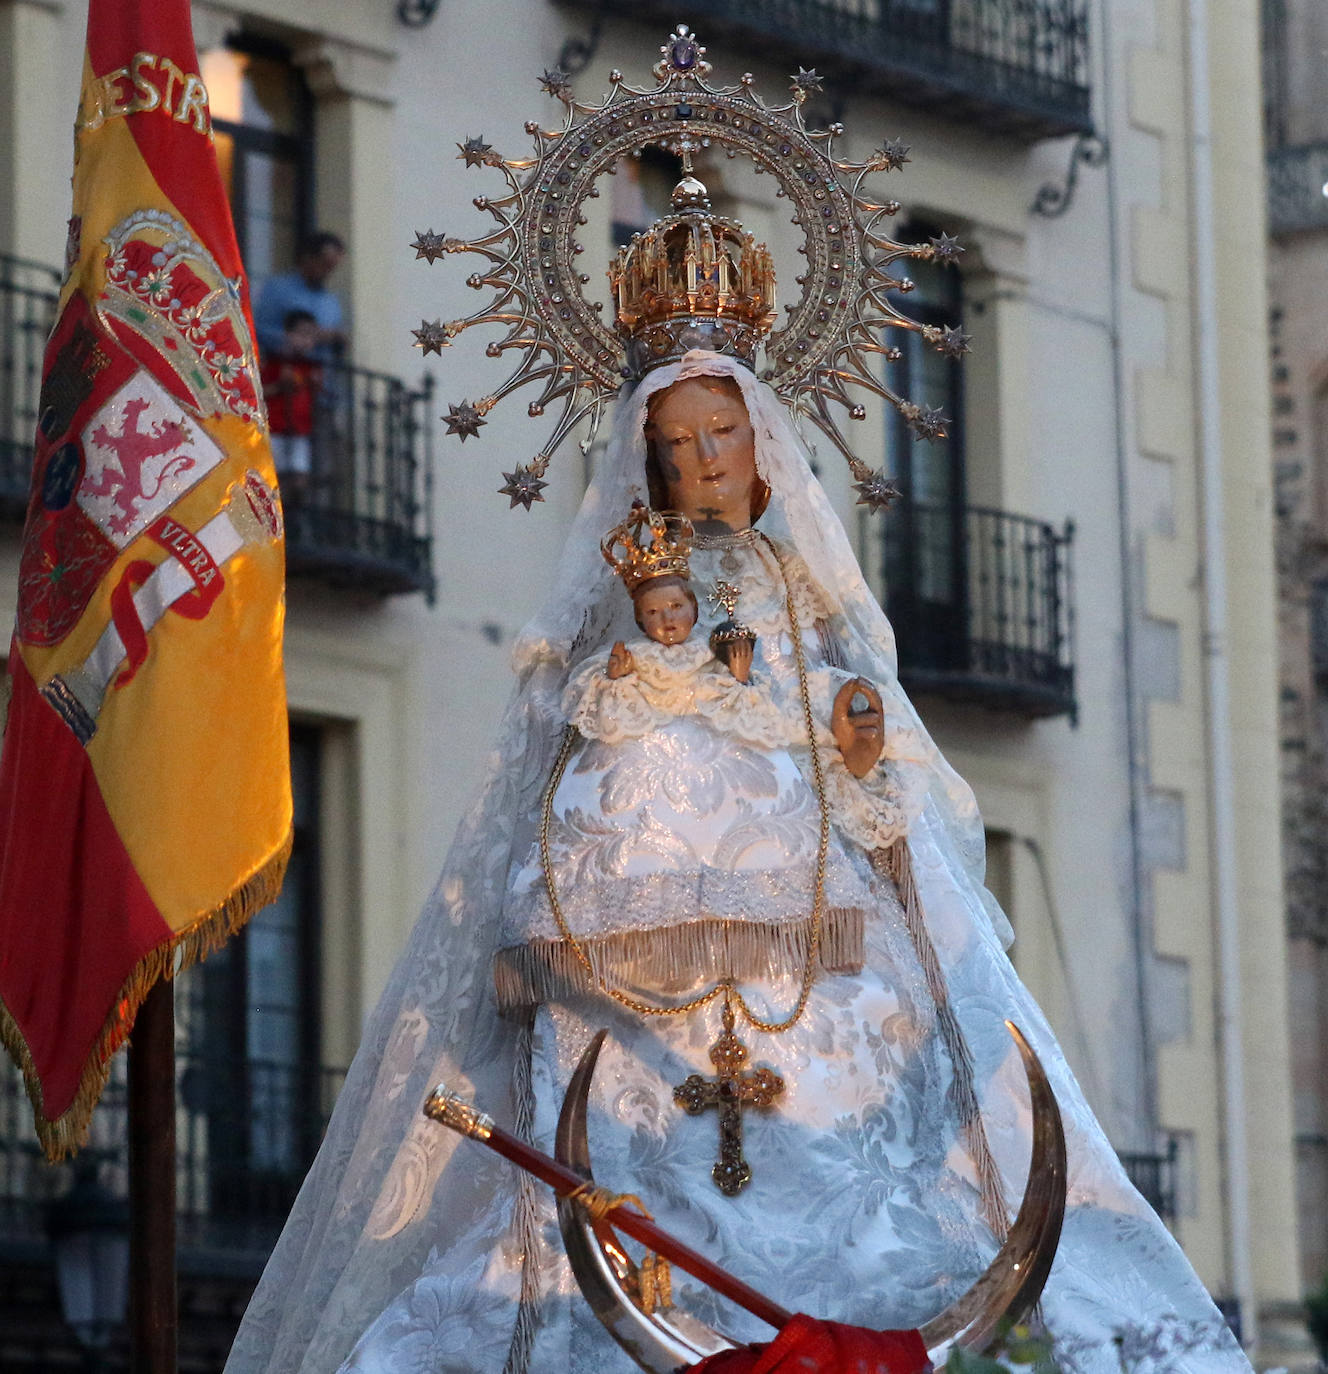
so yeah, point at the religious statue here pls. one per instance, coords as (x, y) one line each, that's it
(729, 841)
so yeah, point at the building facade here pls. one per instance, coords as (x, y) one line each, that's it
(1081, 577)
(1296, 116)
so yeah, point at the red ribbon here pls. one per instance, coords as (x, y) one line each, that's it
(193, 605)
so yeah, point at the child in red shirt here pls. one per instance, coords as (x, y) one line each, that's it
(291, 381)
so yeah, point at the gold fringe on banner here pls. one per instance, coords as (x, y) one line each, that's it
(676, 957)
(67, 1133)
(896, 863)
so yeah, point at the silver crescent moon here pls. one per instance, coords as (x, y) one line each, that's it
(661, 1341)
(668, 1340)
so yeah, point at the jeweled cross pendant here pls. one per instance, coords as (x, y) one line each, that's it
(728, 1092)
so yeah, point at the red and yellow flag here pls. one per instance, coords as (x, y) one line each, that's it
(144, 786)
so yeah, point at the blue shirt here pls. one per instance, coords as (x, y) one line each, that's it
(288, 291)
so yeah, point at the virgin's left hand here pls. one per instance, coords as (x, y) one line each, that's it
(859, 734)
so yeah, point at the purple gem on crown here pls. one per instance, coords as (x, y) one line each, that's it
(682, 54)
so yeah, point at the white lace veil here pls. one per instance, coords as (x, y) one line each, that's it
(377, 1205)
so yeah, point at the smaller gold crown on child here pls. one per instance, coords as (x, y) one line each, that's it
(664, 555)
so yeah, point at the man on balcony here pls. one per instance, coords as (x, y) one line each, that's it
(305, 289)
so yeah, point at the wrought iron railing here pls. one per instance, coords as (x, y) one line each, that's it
(246, 1132)
(1154, 1175)
(1298, 188)
(28, 294)
(1018, 65)
(362, 516)
(982, 606)
(1318, 608)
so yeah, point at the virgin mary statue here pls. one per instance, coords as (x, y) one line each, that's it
(809, 879)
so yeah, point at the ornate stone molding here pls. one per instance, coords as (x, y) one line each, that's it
(338, 67)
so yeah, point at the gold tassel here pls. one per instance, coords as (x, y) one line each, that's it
(654, 1277)
(656, 1283)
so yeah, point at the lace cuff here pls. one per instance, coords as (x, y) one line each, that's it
(880, 808)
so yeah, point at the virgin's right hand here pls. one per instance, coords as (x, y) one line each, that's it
(620, 661)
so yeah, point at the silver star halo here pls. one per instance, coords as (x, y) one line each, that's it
(824, 353)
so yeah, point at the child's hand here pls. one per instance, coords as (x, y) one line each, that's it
(739, 660)
(620, 661)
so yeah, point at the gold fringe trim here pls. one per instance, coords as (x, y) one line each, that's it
(896, 863)
(673, 957)
(67, 1133)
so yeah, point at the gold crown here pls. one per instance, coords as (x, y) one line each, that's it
(692, 280)
(665, 555)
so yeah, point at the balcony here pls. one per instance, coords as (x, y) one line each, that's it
(1015, 66)
(1154, 1175)
(1297, 177)
(246, 1133)
(981, 603)
(361, 519)
(28, 296)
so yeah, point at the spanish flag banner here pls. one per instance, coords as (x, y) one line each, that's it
(144, 785)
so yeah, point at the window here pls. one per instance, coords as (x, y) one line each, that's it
(251, 1046)
(925, 554)
(263, 131)
(1000, 869)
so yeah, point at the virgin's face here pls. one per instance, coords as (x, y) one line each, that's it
(703, 442)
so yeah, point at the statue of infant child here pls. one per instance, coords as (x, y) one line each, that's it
(663, 674)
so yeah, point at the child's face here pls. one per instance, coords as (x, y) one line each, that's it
(664, 610)
(302, 338)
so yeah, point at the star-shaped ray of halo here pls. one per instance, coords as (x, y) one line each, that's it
(431, 336)
(877, 492)
(429, 245)
(954, 342)
(928, 422)
(523, 487)
(808, 81)
(945, 247)
(477, 152)
(464, 421)
(892, 154)
(557, 83)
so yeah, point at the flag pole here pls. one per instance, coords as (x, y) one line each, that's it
(152, 1304)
